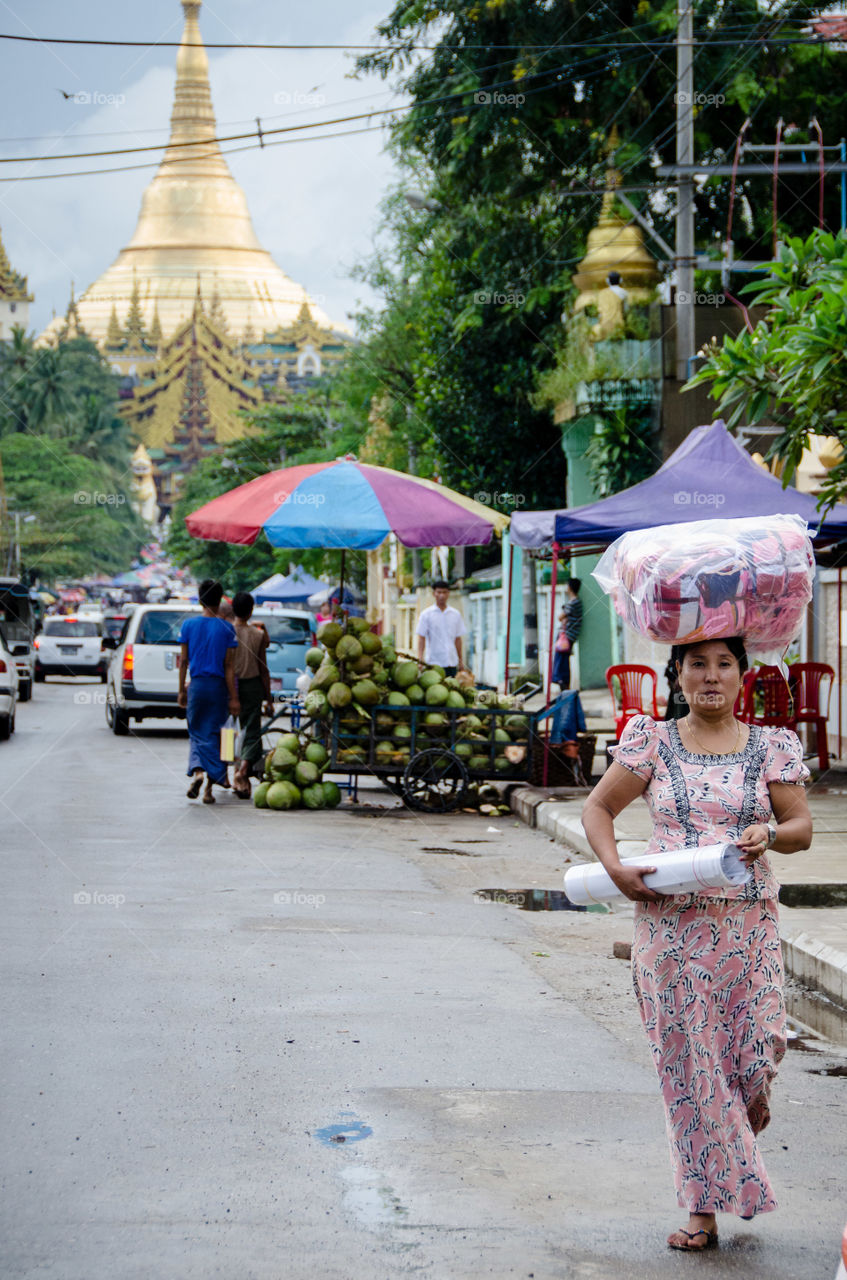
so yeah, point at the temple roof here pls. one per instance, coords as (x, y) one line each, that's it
(13, 286)
(194, 224)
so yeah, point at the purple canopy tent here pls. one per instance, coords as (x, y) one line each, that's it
(709, 477)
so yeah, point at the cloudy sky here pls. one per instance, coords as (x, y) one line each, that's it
(314, 203)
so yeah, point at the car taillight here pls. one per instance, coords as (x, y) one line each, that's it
(37, 642)
(128, 664)
(3, 666)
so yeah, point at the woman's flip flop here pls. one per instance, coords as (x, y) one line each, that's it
(711, 1240)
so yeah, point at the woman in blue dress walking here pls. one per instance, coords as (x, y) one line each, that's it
(208, 655)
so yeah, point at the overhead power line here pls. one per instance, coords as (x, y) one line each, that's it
(667, 43)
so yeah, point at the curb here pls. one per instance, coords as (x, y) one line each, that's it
(810, 962)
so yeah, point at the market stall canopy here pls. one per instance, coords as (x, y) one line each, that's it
(332, 594)
(345, 504)
(710, 476)
(291, 588)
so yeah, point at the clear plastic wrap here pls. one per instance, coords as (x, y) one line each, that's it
(711, 579)
(713, 866)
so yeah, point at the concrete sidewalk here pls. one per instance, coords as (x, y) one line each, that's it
(814, 938)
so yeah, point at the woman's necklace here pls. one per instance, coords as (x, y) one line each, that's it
(690, 729)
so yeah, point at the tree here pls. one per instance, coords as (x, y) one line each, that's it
(75, 523)
(512, 108)
(790, 369)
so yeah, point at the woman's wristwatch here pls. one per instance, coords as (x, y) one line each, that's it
(771, 835)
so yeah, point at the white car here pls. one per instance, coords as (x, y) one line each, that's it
(143, 678)
(71, 646)
(8, 689)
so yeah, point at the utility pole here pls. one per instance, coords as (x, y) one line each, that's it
(685, 189)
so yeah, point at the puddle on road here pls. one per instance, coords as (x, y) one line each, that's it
(457, 853)
(370, 1198)
(534, 900)
(813, 895)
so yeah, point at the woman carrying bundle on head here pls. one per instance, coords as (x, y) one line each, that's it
(707, 967)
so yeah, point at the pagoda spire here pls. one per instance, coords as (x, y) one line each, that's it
(13, 287)
(155, 328)
(135, 329)
(114, 334)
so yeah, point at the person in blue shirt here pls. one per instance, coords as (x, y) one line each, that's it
(208, 656)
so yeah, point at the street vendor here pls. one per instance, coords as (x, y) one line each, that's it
(440, 629)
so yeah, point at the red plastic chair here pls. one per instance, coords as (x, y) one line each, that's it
(628, 698)
(806, 679)
(771, 685)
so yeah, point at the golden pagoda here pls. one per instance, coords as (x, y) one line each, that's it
(14, 297)
(615, 244)
(194, 225)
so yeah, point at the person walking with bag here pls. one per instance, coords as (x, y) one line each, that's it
(570, 620)
(208, 646)
(707, 967)
(254, 688)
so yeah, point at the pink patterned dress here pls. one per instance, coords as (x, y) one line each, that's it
(707, 967)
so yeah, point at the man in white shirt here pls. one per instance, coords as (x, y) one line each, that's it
(439, 632)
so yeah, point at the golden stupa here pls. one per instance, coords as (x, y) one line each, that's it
(194, 230)
(615, 244)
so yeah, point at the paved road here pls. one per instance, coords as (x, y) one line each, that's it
(235, 990)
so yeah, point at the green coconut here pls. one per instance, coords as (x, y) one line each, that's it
(370, 643)
(502, 735)
(279, 796)
(454, 699)
(389, 653)
(260, 795)
(428, 677)
(361, 666)
(434, 722)
(384, 749)
(358, 626)
(316, 753)
(517, 725)
(348, 649)
(314, 658)
(315, 705)
(281, 775)
(332, 795)
(397, 699)
(380, 677)
(415, 694)
(487, 698)
(402, 733)
(339, 695)
(313, 796)
(306, 773)
(404, 674)
(436, 695)
(289, 742)
(329, 633)
(327, 674)
(463, 750)
(479, 764)
(283, 758)
(502, 765)
(366, 693)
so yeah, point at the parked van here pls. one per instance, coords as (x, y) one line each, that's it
(18, 619)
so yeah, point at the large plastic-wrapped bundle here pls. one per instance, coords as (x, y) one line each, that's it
(710, 579)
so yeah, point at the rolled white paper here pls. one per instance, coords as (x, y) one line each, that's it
(709, 866)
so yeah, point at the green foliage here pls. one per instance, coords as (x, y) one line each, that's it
(76, 524)
(507, 135)
(66, 458)
(622, 450)
(790, 369)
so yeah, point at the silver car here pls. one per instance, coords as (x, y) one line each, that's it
(143, 679)
(8, 689)
(71, 646)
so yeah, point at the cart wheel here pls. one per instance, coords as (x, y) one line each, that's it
(435, 781)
